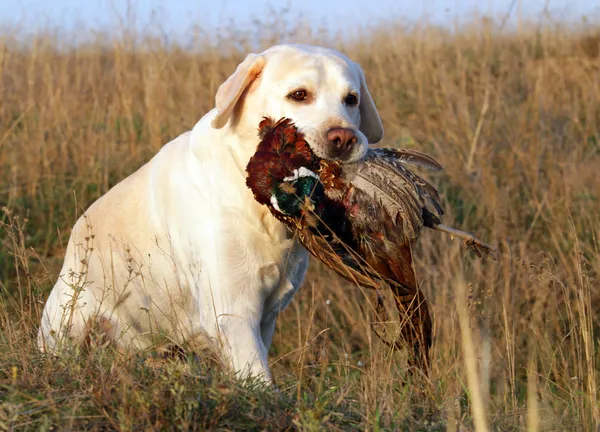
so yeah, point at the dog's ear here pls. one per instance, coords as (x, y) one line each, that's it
(232, 89)
(370, 122)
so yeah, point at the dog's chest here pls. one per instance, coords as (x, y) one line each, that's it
(260, 245)
(260, 248)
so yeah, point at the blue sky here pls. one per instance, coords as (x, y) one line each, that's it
(177, 15)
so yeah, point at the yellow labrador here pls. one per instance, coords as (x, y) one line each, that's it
(180, 247)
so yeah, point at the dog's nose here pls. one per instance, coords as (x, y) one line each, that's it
(342, 139)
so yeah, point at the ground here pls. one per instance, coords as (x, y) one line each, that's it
(514, 119)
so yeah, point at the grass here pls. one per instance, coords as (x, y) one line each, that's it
(513, 117)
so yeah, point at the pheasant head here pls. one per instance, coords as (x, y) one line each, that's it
(283, 171)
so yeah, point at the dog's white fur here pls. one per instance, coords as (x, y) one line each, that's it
(181, 247)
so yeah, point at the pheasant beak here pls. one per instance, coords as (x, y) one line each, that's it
(308, 212)
(308, 205)
(287, 188)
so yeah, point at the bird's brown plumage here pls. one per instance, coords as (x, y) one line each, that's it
(361, 219)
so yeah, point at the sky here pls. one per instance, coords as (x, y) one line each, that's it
(178, 15)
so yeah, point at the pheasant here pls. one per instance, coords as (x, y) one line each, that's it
(360, 219)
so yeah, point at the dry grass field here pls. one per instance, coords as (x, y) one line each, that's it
(514, 118)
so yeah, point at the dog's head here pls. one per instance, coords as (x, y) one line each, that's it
(321, 90)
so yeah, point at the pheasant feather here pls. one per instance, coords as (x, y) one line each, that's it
(359, 219)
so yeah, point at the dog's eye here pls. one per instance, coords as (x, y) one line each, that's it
(351, 99)
(298, 95)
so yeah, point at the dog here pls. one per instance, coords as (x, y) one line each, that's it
(181, 248)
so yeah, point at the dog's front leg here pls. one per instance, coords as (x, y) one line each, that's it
(242, 342)
(232, 300)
